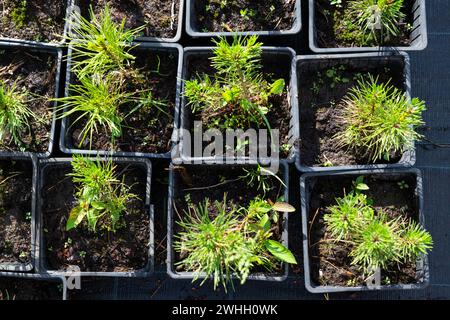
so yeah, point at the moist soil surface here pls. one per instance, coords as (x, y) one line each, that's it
(199, 183)
(160, 17)
(320, 98)
(331, 32)
(278, 116)
(244, 15)
(28, 289)
(330, 261)
(36, 73)
(124, 250)
(43, 21)
(147, 130)
(15, 211)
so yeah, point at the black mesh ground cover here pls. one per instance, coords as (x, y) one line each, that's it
(430, 71)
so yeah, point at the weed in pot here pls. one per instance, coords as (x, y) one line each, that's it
(122, 96)
(237, 92)
(155, 18)
(228, 234)
(27, 86)
(16, 179)
(98, 220)
(363, 23)
(33, 20)
(359, 237)
(243, 15)
(352, 116)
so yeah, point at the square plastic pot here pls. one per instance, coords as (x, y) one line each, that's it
(418, 37)
(38, 277)
(42, 266)
(358, 60)
(65, 125)
(177, 36)
(57, 53)
(307, 182)
(69, 9)
(281, 53)
(25, 267)
(194, 31)
(171, 221)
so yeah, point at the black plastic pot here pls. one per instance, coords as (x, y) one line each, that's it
(419, 38)
(171, 221)
(42, 266)
(20, 267)
(57, 53)
(280, 53)
(307, 182)
(193, 30)
(65, 125)
(358, 60)
(69, 10)
(177, 36)
(38, 277)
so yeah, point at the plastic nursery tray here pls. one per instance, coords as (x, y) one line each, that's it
(38, 277)
(185, 114)
(69, 9)
(360, 60)
(41, 264)
(20, 267)
(173, 184)
(193, 30)
(419, 38)
(177, 36)
(307, 182)
(57, 53)
(65, 125)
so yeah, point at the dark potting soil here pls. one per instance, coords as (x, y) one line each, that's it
(204, 182)
(124, 250)
(15, 211)
(244, 15)
(279, 115)
(35, 72)
(42, 20)
(330, 261)
(145, 130)
(331, 32)
(29, 289)
(160, 17)
(322, 87)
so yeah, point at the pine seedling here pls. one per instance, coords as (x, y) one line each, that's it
(15, 116)
(97, 102)
(378, 19)
(350, 213)
(379, 120)
(377, 241)
(230, 244)
(100, 45)
(237, 96)
(101, 197)
(376, 244)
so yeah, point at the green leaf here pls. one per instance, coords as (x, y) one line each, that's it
(264, 223)
(283, 207)
(280, 252)
(277, 87)
(75, 217)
